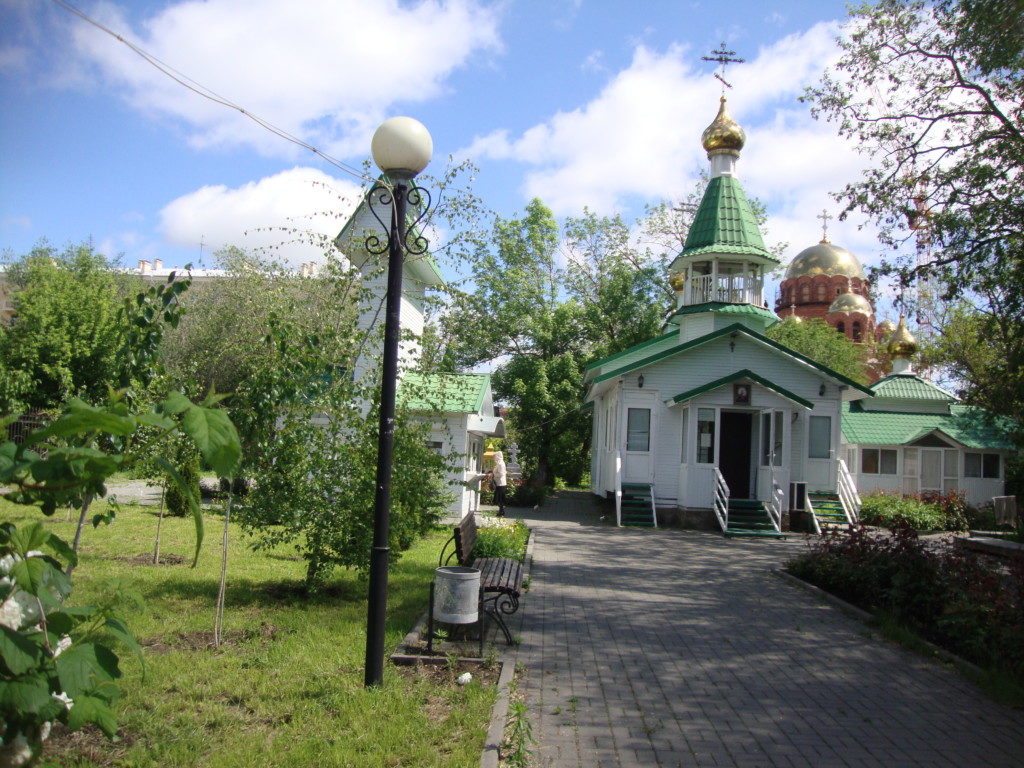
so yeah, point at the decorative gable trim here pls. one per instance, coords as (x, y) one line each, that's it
(745, 373)
(730, 329)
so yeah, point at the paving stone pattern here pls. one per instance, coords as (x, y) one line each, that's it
(679, 648)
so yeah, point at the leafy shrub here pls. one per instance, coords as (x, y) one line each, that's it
(950, 597)
(953, 507)
(885, 508)
(501, 537)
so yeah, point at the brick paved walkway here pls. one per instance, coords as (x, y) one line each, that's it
(691, 654)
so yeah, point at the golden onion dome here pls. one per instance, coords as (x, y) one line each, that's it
(850, 303)
(825, 258)
(677, 280)
(902, 343)
(724, 134)
(886, 327)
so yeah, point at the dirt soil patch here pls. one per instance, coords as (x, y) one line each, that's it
(146, 558)
(88, 744)
(198, 641)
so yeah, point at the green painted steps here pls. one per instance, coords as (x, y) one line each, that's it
(637, 509)
(828, 508)
(749, 517)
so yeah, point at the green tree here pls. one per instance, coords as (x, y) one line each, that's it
(980, 350)
(313, 438)
(216, 344)
(933, 92)
(66, 334)
(515, 314)
(820, 342)
(620, 289)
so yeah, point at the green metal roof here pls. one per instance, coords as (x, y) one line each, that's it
(725, 223)
(745, 373)
(634, 348)
(964, 424)
(907, 386)
(725, 308)
(447, 392)
(734, 328)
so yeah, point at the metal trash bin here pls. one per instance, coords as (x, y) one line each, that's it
(457, 594)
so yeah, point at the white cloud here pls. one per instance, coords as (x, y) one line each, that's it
(639, 139)
(270, 214)
(640, 135)
(324, 70)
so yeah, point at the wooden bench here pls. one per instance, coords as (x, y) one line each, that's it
(501, 578)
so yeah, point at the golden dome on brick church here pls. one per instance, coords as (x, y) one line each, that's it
(825, 258)
(724, 134)
(850, 303)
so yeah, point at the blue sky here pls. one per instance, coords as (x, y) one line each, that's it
(582, 103)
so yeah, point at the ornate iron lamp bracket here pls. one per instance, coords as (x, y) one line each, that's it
(381, 201)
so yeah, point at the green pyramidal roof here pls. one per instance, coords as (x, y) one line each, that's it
(905, 386)
(725, 223)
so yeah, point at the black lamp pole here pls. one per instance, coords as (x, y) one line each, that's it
(378, 595)
(401, 148)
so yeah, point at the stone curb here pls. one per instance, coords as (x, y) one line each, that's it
(869, 618)
(499, 713)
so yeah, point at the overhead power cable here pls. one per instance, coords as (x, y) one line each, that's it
(207, 93)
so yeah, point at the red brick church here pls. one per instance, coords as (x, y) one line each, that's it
(827, 282)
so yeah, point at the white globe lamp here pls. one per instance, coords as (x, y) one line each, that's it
(402, 147)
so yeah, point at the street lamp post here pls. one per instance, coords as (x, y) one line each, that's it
(401, 148)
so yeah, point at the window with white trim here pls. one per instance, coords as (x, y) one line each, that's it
(983, 465)
(638, 429)
(877, 461)
(819, 437)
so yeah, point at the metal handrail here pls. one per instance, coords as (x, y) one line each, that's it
(809, 508)
(654, 509)
(848, 495)
(618, 488)
(721, 502)
(774, 503)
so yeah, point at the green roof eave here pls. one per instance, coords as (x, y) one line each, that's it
(730, 250)
(634, 348)
(733, 328)
(727, 308)
(745, 373)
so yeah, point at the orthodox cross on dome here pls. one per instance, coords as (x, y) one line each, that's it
(824, 216)
(724, 57)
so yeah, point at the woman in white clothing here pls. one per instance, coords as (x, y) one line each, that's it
(499, 476)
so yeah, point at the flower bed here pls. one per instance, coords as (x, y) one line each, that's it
(963, 603)
(501, 537)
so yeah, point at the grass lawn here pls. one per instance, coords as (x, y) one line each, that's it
(287, 688)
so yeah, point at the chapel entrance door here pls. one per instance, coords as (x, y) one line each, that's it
(734, 452)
